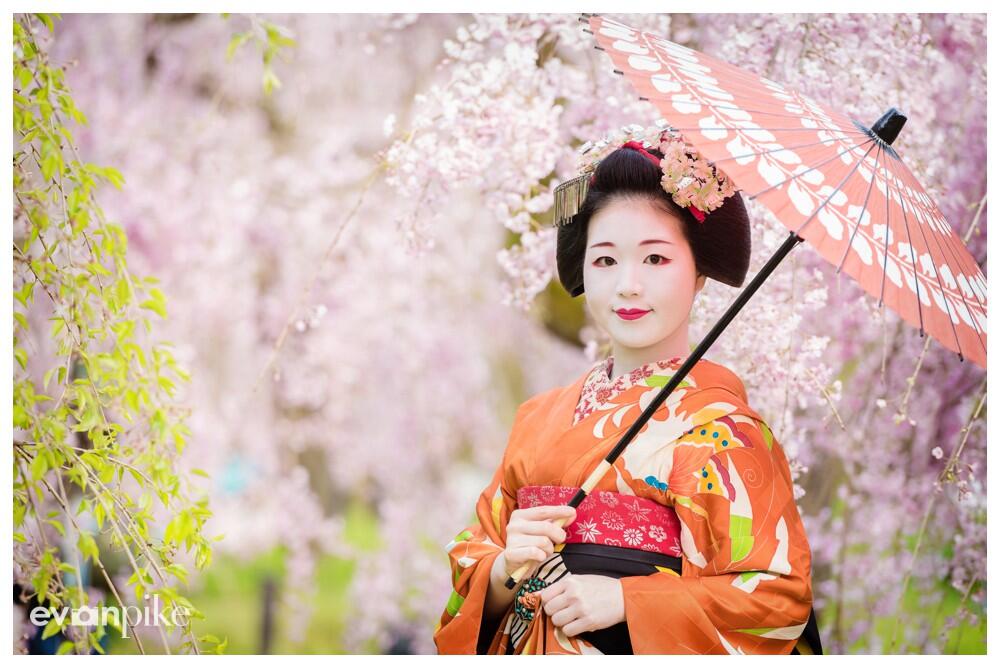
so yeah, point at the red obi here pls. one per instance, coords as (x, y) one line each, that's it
(610, 518)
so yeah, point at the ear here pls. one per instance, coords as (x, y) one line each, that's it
(699, 283)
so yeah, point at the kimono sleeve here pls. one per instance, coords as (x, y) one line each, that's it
(746, 584)
(472, 553)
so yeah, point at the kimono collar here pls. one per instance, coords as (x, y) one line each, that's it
(599, 387)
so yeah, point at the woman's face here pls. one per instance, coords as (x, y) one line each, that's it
(637, 258)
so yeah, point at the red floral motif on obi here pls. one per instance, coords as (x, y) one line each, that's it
(610, 518)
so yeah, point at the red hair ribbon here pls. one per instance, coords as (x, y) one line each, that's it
(637, 146)
(698, 214)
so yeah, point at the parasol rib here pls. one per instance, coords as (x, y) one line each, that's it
(817, 166)
(909, 242)
(835, 190)
(937, 274)
(719, 106)
(861, 216)
(775, 150)
(950, 238)
(950, 242)
(799, 129)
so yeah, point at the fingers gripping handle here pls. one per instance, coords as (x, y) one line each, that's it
(588, 485)
(516, 576)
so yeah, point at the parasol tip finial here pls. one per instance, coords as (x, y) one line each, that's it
(888, 126)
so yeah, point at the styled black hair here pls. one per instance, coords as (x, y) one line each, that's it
(720, 245)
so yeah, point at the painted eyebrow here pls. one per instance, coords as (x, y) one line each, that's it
(641, 243)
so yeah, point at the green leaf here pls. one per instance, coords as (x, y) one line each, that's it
(87, 546)
(50, 163)
(107, 474)
(179, 528)
(178, 571)
(39, 466)
(122, 292)
(135, 474)
(24, 77)
(58, 526)
(203, 556)
(113, 176)
(132, 399)
(98, 269)
(95, 644)
(22, 357)
(21, 418)
(271, 81)
(24, 294)
(48, 377)
(52, 627)
(20, 508)
(166, 384)
(237, 40)
(79, 116)
(47, 20)
(156, 303)
(58, 324)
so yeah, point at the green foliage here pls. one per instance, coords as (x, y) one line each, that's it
(230, 593)
(97, 433)
(270, 38)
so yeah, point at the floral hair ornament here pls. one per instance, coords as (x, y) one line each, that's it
(691, 181)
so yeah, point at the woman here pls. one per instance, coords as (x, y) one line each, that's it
(691, 542)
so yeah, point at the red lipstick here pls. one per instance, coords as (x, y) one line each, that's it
(631, 313)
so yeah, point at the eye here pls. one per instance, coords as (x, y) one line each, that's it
(603, 257)
(664, 260)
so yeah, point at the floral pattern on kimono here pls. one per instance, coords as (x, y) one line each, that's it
(599, 387)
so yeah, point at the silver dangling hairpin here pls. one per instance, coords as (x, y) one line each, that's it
(568, 198)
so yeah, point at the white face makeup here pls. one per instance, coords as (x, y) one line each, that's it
(637, 258)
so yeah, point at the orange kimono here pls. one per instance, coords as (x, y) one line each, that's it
(744, 585)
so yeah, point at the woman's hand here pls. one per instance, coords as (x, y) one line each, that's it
(532, 534)
(579, 603)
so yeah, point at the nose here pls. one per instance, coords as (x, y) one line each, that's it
(628, 280)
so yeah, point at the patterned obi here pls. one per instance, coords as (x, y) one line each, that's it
(610, 518)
